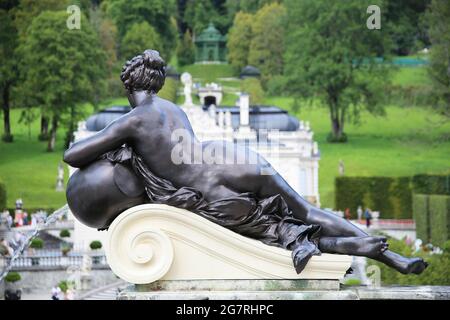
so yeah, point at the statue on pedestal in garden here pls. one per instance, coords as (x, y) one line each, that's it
(151, 155)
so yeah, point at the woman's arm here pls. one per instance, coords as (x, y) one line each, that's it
(117, 133)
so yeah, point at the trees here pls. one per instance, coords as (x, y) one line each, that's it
(252, 86)
(404, 25)
(8, 66)
(141, 36)
(330, 57)
(239, 38)
(157, 13)
(24, 14)
(60, 67)
(186, 50)
(438, 18)
(199, 13)
(267, 44)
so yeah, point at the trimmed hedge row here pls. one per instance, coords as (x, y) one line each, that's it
(431, 184)
(392, 196)
(421, 216)
(432, 216)
(2, 195)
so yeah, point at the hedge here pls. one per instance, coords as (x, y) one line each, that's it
(392, 196)
(2, 195)
(431, 184)
(439, 211)
(432, 217)
(421, 216)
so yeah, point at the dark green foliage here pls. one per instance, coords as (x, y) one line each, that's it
(7, 138)
(8, 67)
(391, 196)
(334, 139)
(438, 18)
(238, 40)
(13, 277)
(331, 57)
(421, 217)
(60, 67)
(2, 195)
(94, 245)
(186, 50)
(157, 13)
(199, 13)
(431, 184)
(64, 233)
(253, 87)
(439, 211)
(267, 44)
(436, 273)
(402, 197)
(403, 24)
(37, 243)
(139, 37)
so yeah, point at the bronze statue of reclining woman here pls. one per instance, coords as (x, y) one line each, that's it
(136, 159)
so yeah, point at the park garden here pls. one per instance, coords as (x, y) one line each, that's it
(376, 99)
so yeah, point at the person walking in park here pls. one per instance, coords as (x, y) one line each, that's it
(56, 292)
(368, 217)
(347, 214)
(359, 212)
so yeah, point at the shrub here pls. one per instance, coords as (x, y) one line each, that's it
(333, 139)
(64, 233)
(13, 277)
(65, 250)
(436, 273)
(37, 243)
(2, 195)
(95, 245)
(253, 87)
(64, 285)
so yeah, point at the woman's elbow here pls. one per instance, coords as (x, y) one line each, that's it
(70, 159)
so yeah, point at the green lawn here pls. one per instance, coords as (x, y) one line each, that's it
(209, 72)
(413, 76)
(405, 142)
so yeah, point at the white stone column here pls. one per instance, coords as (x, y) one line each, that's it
(244, 105)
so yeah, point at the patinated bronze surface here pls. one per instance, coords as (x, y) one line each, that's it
(131, 162)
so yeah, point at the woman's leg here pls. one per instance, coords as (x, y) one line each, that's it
(336, 227)
(332, 225)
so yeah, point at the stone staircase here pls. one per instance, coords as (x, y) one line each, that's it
(108, 292)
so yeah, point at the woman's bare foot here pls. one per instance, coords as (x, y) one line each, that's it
(403, 264)
(366, 246)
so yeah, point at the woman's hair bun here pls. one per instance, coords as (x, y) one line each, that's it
(144, 72)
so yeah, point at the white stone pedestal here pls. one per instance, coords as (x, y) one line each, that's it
(158, 242)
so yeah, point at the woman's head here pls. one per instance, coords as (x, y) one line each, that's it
(145, 72)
